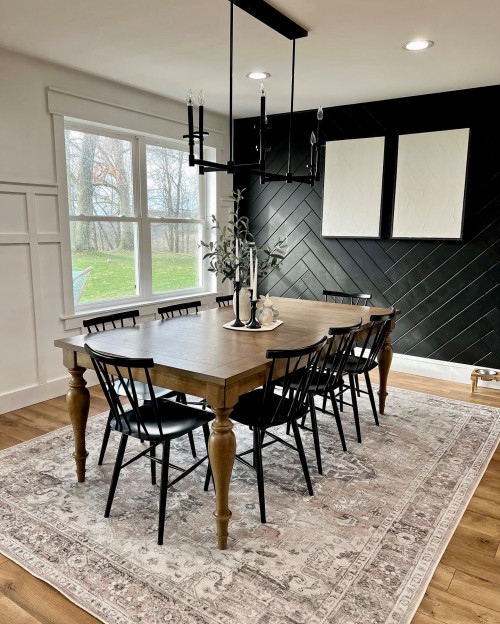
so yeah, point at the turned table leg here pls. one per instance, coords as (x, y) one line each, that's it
(384, 364)
(78, 401)
(221, 450)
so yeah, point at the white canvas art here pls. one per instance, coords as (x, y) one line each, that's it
(352, 192)
(430, 184)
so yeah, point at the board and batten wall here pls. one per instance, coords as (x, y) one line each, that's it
(448, 291)
(35, 280)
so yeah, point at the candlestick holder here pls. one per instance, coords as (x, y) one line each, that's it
(252, 322)
(237, 321)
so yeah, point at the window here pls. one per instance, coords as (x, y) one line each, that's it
(137, 212)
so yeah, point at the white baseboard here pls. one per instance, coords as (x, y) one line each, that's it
(36, 394)
(436, 369)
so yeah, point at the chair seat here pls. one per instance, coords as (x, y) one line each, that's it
(249, 410)
(143, 391)
(177, 419)
(358, 365)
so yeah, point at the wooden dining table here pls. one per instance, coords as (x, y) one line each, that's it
(197, 355)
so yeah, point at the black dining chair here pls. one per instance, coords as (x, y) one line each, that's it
(182, 309)
(327, 379)
(224, 301)
(114, 321)
(364, 361)
(337, 296)
(157, 422)
(275, 404)
(178, 309)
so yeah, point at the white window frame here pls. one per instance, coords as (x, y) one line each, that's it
(207, 205)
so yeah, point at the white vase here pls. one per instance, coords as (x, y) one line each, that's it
(244, 304)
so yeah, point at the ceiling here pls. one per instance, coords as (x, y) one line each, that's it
(353, 52)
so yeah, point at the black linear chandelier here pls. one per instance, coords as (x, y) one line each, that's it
(284, 26)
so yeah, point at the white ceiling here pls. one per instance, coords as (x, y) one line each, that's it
(352, 54)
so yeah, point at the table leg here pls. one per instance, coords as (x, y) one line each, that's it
(221, 450)
(384, 364)
(78, 402)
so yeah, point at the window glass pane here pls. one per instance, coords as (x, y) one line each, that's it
(110, 249)
(176, 256)
(172, 184)
(99, 175)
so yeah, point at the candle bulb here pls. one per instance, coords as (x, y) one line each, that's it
(201, 102)
(313, 147)
(189, 102)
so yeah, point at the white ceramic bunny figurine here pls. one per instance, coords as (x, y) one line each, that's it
(266, 317)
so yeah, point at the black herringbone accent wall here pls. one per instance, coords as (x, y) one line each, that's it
(447, 291)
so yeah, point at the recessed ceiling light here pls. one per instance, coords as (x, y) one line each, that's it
(418, 44)
(258, 75)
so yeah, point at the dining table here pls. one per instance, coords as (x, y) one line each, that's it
(196, 354)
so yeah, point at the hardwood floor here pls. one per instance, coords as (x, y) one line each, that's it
(465, 588)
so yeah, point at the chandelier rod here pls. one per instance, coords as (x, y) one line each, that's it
(289, 169)
(231, 44)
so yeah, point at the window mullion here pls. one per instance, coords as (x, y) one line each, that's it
(145, 256)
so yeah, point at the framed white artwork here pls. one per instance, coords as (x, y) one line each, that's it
(430, 185)
(352, 191)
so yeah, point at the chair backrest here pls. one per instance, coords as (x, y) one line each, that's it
(338, 296)
(223, 301)
(294, 369)
(334, 358)
(111, 321)
(111, 368)
(178, 309)
(79, 280)
(380, 326)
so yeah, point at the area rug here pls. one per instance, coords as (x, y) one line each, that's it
(360, 551)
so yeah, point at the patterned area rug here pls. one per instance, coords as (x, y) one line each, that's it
(361, 550)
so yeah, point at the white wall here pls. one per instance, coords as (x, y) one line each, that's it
(34, 253)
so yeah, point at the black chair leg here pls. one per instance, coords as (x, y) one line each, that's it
(314, 427)
(104, 444)
(181, 398)
(352, 387)
(191, 443)
(257, 453)
(163, 490)
(208, 477)
(116, 473)
(372, 398)
(302, 455)
(152, 453)
(336, 413)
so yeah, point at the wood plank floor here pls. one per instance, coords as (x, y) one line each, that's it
(465, 588)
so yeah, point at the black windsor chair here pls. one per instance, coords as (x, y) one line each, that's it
(178, 309)
(276, 404)
(349, 298)
(182, 309)
(156, 421)
(115, 321)
(224, 301)
(364, 362)
(328, 379)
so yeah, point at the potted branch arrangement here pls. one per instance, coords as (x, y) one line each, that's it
(235, 256)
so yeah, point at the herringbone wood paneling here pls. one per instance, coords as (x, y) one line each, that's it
(448, 291)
